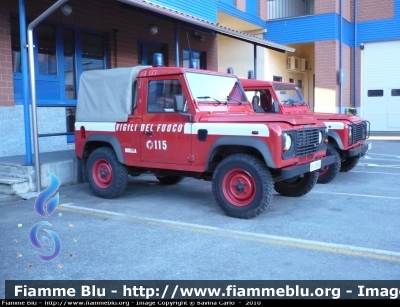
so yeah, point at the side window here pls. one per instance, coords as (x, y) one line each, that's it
(134, 96)
(261, 100)
(252, 94)
(198, 59)
(165, 96)
(266, 101)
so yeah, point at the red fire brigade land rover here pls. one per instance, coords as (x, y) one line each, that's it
(347, 133)
(179, 122)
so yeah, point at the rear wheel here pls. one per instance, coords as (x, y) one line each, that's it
(242, 186)
(349, 163)
(106, 176)
(297, 186)
(329, 172)
(169, 179)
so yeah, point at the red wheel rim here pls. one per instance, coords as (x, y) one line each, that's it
(239, 187)
(102, 173)
(323, 170)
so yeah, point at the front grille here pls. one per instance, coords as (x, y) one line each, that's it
(306, 141)
(359, 132)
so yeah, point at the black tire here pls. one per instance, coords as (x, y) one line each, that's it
(169, 179)
(349, 163)
(329, 172)
(106, 176)
(297, 186)
(229, 182)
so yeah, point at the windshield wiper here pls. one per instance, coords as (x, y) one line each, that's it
(208, 97)
(290, 101)
(230, 98)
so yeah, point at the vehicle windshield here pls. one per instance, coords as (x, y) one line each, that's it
(214, 88)
(288, 94)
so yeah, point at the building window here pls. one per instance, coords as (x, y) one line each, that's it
(198, 59)
(92, 51)
(277, 78)
(396, 92)
(300, 83)
(69, 64)
(47, 56)
(64, 59)
(15, 45)
(375, 93)
(291, 80)
(147, 50)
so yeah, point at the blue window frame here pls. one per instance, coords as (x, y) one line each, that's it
(147, 49)
(58, 68)
(198, 58)
(61, 55)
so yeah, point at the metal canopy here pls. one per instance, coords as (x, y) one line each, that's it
(147, 5)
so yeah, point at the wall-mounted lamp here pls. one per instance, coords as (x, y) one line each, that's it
(198, 36)
(66, 9)
(362, 46)
(153, 29)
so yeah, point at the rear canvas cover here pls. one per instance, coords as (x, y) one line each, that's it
(106, 95)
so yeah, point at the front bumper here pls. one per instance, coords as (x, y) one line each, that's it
(293, 171)
(359, 151)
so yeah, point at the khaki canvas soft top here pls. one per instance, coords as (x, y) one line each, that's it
(106, 95)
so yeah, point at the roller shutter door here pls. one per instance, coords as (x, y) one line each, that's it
(380, 69)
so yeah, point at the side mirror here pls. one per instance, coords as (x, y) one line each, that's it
(181, 107)
(179, 102)
(275, 106)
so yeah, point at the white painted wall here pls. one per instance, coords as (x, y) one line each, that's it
(240, 56)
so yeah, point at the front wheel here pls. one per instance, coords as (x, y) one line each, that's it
(106, 176)
(329, 172)
(242, 186)
(297, 186)
(349, 163)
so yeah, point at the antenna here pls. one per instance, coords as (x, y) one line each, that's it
(191, 62)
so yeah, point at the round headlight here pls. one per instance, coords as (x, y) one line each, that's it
(287, 141)
(319, 137)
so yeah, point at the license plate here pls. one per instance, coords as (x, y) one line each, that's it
(315, 165)
(369, 146)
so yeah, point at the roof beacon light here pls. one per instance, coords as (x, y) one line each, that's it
(158, 60)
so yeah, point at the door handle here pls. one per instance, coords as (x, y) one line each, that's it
(148, 133)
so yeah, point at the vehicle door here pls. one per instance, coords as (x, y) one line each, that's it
(162, 129)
